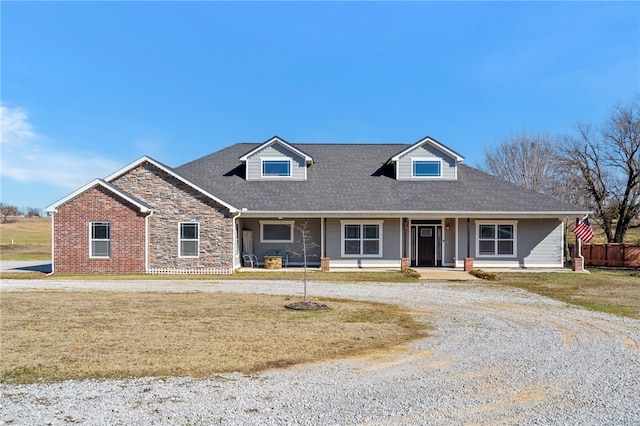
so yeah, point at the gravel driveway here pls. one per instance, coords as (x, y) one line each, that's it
(497, 356)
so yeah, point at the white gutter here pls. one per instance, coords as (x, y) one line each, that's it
(414, 214)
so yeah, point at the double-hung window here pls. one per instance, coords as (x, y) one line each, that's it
(100, 239)
(496, 239)
(362, 239)
(276, 168)
(189, 239)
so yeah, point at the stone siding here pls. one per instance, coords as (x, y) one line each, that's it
(72, 235)
(173, 202)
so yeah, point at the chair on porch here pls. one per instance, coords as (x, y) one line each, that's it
(250, 259)
(285, 257)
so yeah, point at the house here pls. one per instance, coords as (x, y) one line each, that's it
(366, 205)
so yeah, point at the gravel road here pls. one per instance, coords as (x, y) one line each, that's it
(497, 356)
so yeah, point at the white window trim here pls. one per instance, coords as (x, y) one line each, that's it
(496, 223)
(91, 239)
(361, 222)
(266, 159)
(431, 159)
(291, 224)
(180, 240)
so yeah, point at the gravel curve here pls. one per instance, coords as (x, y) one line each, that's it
(497, 355)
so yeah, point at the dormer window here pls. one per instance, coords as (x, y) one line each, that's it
(276, 168)
(276, 160)
(426, 168)
(427, 159)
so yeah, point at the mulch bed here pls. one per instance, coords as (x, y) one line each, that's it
(306, 306)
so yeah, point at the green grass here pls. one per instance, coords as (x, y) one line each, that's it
(603, 290)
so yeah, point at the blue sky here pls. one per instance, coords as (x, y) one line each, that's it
(89, 87)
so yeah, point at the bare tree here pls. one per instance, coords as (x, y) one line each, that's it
(7, 210)
(608, 161)
(32, 212)
(526, 160)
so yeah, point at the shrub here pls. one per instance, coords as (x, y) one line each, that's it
(484, 275)
(411, 273)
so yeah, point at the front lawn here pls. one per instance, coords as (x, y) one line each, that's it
(60, 335)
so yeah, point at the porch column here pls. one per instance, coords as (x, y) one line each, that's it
(468, 260)
(405, 262)
(324, 260)
(456, 252)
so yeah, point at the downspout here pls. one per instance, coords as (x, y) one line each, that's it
(234, 236)
(146, 242)
(53, 243)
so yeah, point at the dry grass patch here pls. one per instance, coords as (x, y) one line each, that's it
(612, 291)
(51, 335)
(26, 238)
(25, 252)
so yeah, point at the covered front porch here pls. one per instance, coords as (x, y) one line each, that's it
(347, 241)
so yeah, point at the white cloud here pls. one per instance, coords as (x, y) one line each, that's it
(15, 129)
(28, 156)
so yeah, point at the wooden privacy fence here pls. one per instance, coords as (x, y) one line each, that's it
(620, 255)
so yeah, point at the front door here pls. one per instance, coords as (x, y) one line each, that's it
(426, 246)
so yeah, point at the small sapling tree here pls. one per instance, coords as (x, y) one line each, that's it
(307, 244)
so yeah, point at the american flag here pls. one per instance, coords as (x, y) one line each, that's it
(584, 231)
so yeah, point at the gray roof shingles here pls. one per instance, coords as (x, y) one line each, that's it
(357, 178)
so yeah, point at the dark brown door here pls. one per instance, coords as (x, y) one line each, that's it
(426, 246)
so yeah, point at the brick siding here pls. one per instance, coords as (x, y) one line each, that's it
(72, 234)
(172, 201)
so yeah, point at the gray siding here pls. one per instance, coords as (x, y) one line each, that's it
(449, 240)
(539, 244)
(390, 244)
(254, 163)
(426, 151)
(260, 249)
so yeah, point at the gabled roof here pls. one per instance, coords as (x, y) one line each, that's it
(429, 141)
(171, 172)
(106, 185)
(280, 141)
(143, 207)
(357, 178)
